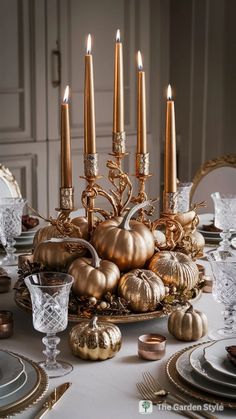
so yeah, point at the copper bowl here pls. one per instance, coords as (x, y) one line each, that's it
(151, 346)
(6, 324)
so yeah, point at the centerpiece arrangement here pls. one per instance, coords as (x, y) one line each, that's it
(126, 265)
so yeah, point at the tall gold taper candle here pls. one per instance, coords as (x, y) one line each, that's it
(89, 109)
(118, 98)
(66, 170)
(170, 178)
(141, 109)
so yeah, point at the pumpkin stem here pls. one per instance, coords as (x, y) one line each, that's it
(127, 217)
(189, 309)
(93, 323)
(95, 258)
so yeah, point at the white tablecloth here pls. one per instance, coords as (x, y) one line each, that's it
(103, 390)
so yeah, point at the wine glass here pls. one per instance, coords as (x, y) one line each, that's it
(49, 293)
(223, 265)
(225, 216)
(11, 210)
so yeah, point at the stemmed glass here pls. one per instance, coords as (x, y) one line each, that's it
(223, 265)
(225, 216)
(11, 210)
(49, 293)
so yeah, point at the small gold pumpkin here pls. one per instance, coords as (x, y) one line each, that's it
(48, 232)
(93, 277)
(187, 220)
(57, 253)
(142, 288)
(175, 268)
(128, 243)
(197, 240)
(188, 324)
(95, 341)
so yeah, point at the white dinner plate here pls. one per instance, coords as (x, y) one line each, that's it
(14, 386)
(216, 356)
(11, 367)
(186, 371)
(201, 366)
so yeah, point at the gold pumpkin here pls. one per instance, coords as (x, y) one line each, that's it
(128, 243)
(57, 253)
(93, 277)
(48, 232)
(188, 324)
(95, 341)
(197, 240)
(186, 219)
(175, 268)
(142, 288)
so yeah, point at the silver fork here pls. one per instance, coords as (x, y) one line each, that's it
(155, 386)
(147, 394)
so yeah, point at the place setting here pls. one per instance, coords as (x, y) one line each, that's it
(205, 372)
(22, 383)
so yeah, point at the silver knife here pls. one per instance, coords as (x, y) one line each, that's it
(52, 399)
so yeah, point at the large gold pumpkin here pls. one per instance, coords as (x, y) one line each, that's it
(93, 277)
(142, 288)
(128, 243)
(57, 253)
(95, 341)
(48, 232)
(187, 324)
(175, 268)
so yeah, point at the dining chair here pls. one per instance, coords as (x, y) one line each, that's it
(9, 187)
(216, 175)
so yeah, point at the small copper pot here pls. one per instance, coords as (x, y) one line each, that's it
(6, 324)
(152, 346)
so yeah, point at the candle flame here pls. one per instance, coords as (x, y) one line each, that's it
(169, 92)
(118, 35)
(66, 95)
(140, 61)
(89, 44)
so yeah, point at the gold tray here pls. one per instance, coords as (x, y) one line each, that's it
(33, 396)
(185, 387)
(128, 318)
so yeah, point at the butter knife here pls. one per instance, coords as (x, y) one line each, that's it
(52, 399)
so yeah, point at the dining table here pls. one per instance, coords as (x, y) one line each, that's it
(105, 389)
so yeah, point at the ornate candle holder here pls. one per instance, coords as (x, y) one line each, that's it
(142, 174)
(170, 202)
(66, 199)
(88, 196)
(118, 146)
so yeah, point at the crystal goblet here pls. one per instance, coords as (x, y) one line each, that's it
(225, 216)
(11, 210)
(223, 265)
(183, 196)
(49, 293)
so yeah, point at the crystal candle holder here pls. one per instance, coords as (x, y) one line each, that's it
(183, 196)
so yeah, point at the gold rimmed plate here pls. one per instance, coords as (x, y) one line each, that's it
(192, 391)
(33, 389)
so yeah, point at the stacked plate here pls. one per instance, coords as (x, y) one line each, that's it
(22, 382)
(25, 240)
(205, 372)
(210, 236)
